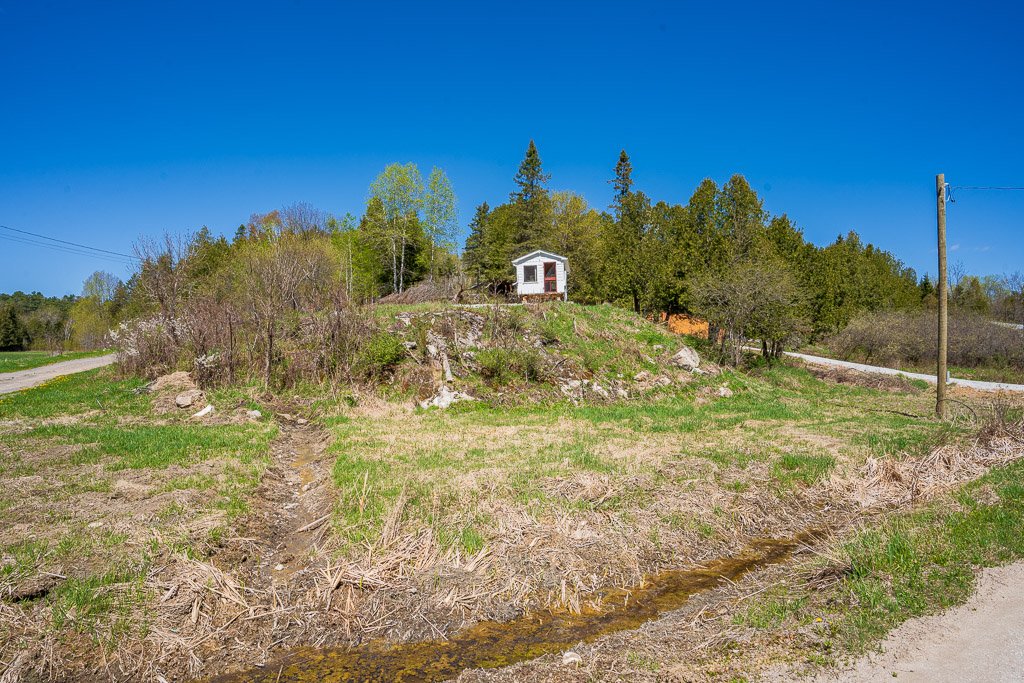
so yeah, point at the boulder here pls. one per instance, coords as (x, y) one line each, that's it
(685, 358)
(188, 398)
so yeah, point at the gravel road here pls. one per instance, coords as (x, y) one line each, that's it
(25, 379)
(980, 641)
(969, 383)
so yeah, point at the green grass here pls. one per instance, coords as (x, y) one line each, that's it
(158, 446)
(451, 463)
(12, 361)
(94, 390)
(924, 561)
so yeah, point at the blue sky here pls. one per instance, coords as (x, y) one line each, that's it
(126, 119)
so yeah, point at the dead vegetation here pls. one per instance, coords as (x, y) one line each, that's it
(370, 518)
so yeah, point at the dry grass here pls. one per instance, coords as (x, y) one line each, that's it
(387, 521)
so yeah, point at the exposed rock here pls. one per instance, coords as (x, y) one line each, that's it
(445, 397)
(642, 376)
(724, 391)
(599, 390)
(188, 398)
(663, 381)
(409, 345)
(254, 414)
(570, 658)
(621, 393)
(685, 358)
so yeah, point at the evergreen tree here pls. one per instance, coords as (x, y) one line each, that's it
(473, 255)
(13, 335)
(623, 182)
(531, 202)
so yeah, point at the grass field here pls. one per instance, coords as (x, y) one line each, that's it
(11, 361)
(167, 540)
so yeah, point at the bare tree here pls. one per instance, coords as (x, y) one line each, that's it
(302, 218)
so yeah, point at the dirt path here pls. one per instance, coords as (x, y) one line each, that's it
(982, 640)
(969, 383)
(26, 379)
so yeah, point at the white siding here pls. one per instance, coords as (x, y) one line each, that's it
(538, 286)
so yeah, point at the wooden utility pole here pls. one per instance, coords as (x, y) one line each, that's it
(940, 371)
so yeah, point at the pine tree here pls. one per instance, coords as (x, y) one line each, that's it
(623, 182)
(12, 332)
(531, 201)
(473, 256)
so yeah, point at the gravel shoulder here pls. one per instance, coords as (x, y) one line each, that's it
(26, 379)
(981, 640)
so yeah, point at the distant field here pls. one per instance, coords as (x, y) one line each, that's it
(12, 361)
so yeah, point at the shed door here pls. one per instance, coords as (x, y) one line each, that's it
(550, 277)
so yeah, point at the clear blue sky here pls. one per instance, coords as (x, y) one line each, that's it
(121, 119)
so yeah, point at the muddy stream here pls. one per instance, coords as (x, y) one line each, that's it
(492, 644)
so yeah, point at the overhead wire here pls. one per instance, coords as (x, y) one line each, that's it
(76, 245)
(66, 250)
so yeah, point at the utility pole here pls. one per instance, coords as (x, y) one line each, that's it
(940, 371)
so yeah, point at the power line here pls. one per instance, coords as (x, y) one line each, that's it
(981, 187)
(74, 244)
(66, 250)
(951, 188)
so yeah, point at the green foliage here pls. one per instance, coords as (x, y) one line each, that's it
(503, 366)
(13, 335)
(380, 354)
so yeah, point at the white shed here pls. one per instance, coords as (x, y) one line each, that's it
(542, 275)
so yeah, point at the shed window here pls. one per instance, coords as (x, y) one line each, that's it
(529, 273)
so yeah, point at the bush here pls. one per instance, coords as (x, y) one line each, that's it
(380, 354)
(909, 338)
(503, 366)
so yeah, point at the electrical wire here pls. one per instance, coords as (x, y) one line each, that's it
(73, 244)
(981, 187)
(66, 250)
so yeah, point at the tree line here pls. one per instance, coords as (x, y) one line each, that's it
(720, 255)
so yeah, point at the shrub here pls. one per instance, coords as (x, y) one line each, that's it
(503, 366)
(908, 337)
(380, 354)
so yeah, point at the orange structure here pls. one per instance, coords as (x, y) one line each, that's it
(683, 323)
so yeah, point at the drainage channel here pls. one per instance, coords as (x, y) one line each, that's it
(492, 644)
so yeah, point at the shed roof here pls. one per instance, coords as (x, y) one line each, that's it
(541, 253)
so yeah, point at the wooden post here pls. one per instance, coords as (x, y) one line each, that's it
(940, 370)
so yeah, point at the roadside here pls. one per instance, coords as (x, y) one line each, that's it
(26, 379)
(981, 640)
(861, 367)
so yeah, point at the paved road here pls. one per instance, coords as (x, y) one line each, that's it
(25, 379)
(982, 641)
(970, 383)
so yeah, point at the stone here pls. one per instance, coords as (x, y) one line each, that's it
(409, 345)
(724, 391)
(571, 658)
(663, 381)
(642, 376)
(444, 398)
(254, 414)
(621, 393)
(187, 398)
(95, 525)
(599, 390)
(685, 358)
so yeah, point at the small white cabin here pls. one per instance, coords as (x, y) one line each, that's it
(542, 275)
